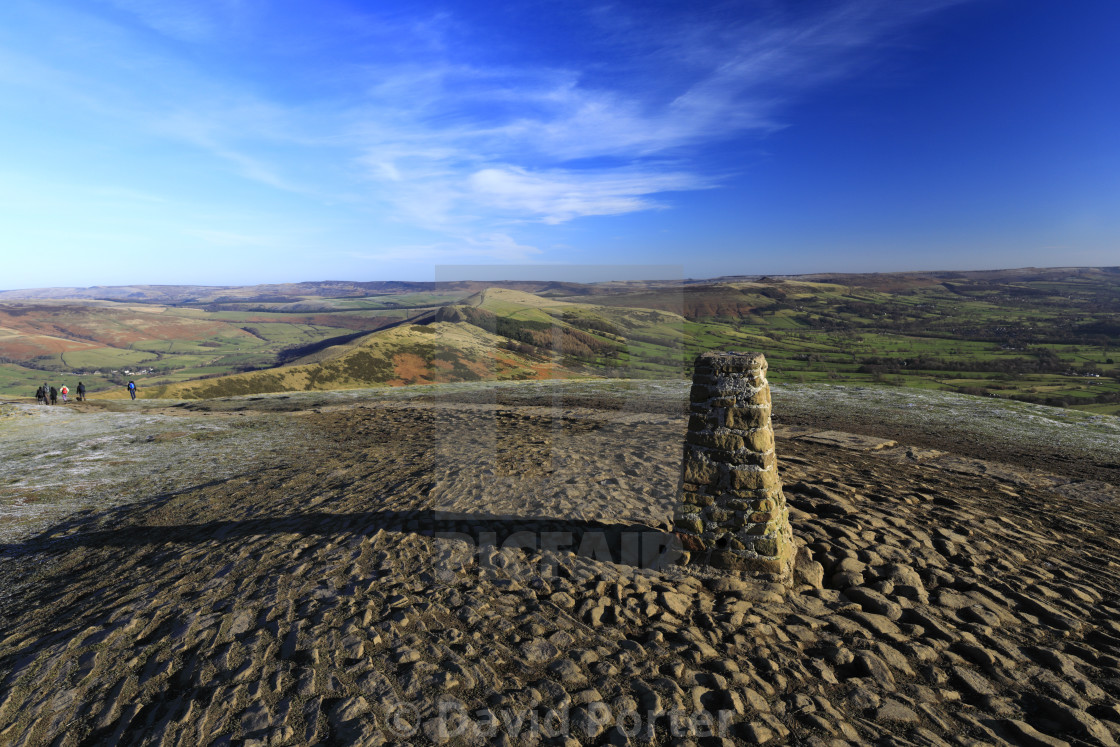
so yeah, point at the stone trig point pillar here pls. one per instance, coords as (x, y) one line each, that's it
(732, 512)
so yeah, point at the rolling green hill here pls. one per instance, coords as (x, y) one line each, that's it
(607, 340)
(493, 334)
(105, 343)
(440, 352)
(1045, 336)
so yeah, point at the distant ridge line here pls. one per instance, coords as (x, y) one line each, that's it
(270, 292)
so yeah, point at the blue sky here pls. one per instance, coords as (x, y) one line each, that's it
(246, 141)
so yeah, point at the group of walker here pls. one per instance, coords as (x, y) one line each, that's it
(48, 395)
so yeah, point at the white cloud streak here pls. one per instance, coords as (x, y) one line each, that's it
(194, 21)
(424, 133)
(485, 247)
(559, 196)
(451, 142)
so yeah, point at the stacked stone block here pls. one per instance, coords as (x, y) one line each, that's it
(732, 512)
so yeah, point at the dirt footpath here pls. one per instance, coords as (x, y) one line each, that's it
(469, 572)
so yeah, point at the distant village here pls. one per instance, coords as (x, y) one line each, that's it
(124, 371)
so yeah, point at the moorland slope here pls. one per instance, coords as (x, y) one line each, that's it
(495, 334)
(440, 352)
(1042, 335)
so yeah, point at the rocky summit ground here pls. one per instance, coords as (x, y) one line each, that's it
(487, 565)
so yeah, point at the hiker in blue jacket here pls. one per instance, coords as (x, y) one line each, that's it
(132, 389)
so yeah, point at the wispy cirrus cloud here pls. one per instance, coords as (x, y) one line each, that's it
(455, 141)
(557, 196)
(484, 247)
(407, 117)
(196, 21)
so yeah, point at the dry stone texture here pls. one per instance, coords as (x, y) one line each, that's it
(732, 513)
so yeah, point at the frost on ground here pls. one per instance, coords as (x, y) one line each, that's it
(985, 417)
(59, 460)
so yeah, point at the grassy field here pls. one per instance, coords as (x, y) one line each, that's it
(409, 355)
(1042, 336)
(1049, 337)
(104, 344)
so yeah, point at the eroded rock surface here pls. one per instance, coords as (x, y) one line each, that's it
(348, 594)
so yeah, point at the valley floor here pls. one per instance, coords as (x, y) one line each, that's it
(480, 565)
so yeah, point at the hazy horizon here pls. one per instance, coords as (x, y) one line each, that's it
(547, 273)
